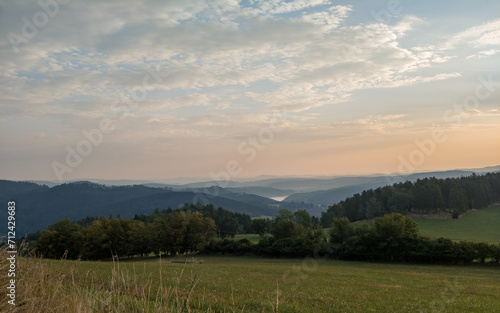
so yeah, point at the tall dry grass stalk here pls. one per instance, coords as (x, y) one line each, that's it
(38, 289)
(42, 289)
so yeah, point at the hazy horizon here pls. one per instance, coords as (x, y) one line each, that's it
(199, 179)
(165, 90)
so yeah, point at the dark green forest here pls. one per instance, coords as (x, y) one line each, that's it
(425, 196)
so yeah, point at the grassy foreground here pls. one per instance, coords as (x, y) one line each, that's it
(480, 226)
(251, 284)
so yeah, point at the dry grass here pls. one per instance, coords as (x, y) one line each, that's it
(41, 289)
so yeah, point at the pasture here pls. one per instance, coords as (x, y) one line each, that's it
(479, 225)
(253, 284)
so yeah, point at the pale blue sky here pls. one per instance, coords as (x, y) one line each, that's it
(355, 89)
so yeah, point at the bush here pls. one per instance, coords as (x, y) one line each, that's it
(229, 246)
(292, 247)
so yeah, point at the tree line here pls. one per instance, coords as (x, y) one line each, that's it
(393, 238)
(167, 231)
(227, 223)
(428, 195)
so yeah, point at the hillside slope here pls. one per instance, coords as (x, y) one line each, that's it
(477, 225)
(329, 196)
(39, 206)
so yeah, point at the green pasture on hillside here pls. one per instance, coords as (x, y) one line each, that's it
(481, 226)
(252, 237)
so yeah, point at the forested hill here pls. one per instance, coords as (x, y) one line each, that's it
(38, 206)
(425, 196)
(335, 190)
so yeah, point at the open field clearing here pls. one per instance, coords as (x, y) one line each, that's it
(478, 225)
(481, 226)
(254, 238)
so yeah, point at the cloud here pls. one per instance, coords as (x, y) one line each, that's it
(372, 126)
(279, 7)
(487, 34)
(382, 124)
(199, 52)
(484, 54)
(330, 18)
(476, 113)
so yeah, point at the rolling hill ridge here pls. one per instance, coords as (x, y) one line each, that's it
(39, 206)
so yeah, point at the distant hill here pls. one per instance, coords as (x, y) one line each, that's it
(39, 206)
(311, 184)
(329, 196)
(11, 189)
(488, 169)
(41, 203)
(263, 191)
(276, 186)
(348, 186)
(236, 194)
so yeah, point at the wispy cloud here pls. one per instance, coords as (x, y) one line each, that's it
(487, 34)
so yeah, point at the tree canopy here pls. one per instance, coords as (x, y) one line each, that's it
(428, 195)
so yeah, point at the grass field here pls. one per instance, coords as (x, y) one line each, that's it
(482, 225)
(251, 284)
(252, 237)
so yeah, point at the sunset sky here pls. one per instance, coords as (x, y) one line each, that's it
(132, 90)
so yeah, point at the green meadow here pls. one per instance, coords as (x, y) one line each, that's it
(478, 225)
(481, 226)
(254, 238)
(252, 284)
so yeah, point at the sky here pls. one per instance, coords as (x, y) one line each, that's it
(232, 89)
